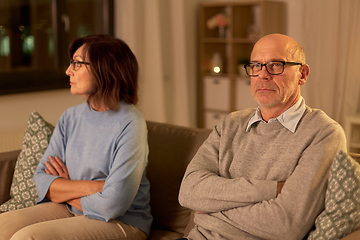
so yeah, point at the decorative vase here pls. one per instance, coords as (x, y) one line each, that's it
(221, 32)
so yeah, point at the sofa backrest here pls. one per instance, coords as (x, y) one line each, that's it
(7, 166)
(171, 148)
(355, 156)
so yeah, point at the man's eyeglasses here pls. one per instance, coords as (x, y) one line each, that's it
(77, 64)
(273, 67)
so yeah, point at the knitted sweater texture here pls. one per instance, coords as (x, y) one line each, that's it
(232, 179)
(110, 146)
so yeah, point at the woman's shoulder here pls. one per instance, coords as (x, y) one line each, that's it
(75, 110)
(130, 111)
(128, 115)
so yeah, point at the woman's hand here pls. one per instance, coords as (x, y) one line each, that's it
(66, 190)
(56, 167)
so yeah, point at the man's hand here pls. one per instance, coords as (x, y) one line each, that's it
(278, 190)
(56, 167)
(279, 187)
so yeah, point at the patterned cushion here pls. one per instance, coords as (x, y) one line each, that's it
(342, 203)
(36, 139)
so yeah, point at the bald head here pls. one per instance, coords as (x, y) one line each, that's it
(277, 92)
(285, 45)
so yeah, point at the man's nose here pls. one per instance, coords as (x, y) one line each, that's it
(264, 74)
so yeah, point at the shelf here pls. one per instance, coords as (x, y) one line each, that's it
(243, 40)
(214, 40)
(355, 145)
(352, 131)
(229, 40)
(247, 22)
(209, 74)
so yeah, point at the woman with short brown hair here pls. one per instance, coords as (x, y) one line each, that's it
(91, 180)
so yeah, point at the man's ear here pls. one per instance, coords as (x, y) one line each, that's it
(304, 73)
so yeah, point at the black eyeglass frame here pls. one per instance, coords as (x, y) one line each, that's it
(265, 64)
(73, 62)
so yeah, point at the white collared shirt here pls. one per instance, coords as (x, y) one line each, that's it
(289, 119)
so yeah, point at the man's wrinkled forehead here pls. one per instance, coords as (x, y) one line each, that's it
(270, 51)
(277, 47)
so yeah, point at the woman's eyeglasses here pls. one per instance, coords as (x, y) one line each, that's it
(77, 64)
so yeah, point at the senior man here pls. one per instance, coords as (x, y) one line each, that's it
(262, 173)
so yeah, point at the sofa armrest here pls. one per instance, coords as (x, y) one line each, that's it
(7, 166)
(353, 236)
(355, 156)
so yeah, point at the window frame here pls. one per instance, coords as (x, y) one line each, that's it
(13, 82)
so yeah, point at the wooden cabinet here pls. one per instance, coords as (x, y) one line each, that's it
(352, 131)
(229, 90)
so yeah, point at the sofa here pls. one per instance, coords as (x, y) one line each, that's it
(171, 149)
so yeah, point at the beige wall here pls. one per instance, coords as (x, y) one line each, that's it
(15, 109)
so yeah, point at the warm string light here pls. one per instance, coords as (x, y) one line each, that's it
(217, 69)
(216, 63)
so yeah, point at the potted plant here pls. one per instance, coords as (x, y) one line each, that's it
(220, 20)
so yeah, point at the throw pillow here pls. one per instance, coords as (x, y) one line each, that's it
(342, 202)
(35, 141)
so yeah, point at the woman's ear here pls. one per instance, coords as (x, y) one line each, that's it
(304, 73)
